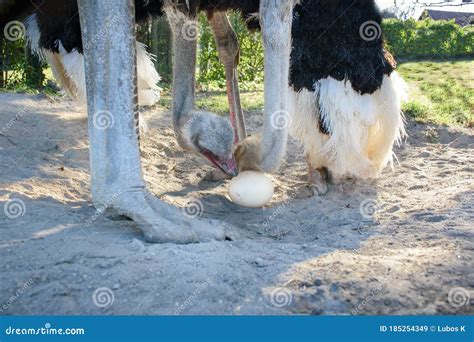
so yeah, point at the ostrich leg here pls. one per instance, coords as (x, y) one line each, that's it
(318, 179)
(116, 176)
(59, 72)
(229, 54)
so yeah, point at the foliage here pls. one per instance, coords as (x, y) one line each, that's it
(211, 74)
(428, 39)
(410, 39)
(23, 70)
(13, 62)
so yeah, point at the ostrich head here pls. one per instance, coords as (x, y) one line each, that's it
(213, 137)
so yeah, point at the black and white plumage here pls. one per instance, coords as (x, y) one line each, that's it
(345, 94)
(59, 42)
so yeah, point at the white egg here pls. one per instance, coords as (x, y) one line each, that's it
(251, 189)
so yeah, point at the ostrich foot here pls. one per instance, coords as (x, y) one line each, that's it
(116, 173)
(318, 180)
(163, 223)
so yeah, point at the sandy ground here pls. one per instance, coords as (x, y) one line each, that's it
(402, 245)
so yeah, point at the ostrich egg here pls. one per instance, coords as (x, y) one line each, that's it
(251, 189)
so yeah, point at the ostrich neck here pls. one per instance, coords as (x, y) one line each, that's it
(184, 66)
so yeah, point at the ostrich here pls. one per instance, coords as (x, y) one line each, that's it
(105, 36)
(345, 95)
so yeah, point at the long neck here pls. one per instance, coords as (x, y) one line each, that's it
(184, 64)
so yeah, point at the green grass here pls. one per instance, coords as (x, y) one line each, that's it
(440, 92)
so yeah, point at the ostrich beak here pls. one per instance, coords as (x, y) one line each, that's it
(228, 166)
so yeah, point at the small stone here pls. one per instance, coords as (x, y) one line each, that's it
(393, 209)
(334, 288)
(318, 282)
(262, 263)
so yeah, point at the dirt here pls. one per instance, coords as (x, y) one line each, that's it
(401, 245)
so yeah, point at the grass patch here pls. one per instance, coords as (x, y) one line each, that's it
(441, 92)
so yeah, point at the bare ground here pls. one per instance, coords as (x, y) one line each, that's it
(301, 255)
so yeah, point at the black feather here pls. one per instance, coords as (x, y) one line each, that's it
(58, 20)
(328, 41)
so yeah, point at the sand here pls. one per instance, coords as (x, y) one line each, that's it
(401, 245)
